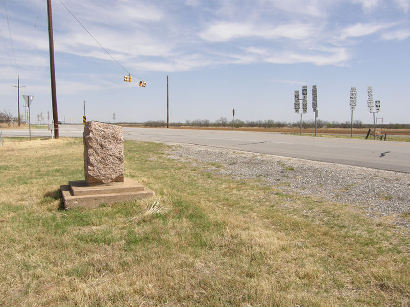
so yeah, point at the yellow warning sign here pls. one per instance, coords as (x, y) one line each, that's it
(84, 119)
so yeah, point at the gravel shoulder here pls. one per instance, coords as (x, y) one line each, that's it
(378, 192)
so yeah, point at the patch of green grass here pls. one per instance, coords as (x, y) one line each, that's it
(385, 196)
(285, 166)
(216, 164)
(348, 187)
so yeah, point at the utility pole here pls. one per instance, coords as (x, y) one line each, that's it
(167, 104)
(84, 107)
(52, 69)
(18, 98)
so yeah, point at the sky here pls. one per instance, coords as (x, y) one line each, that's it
(219, 54)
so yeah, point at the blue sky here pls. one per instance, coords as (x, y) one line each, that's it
(219, 54)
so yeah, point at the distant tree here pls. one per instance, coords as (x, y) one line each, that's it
(6, 117)
(223, 121)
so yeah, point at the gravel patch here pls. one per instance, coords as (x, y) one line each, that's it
(379, 192)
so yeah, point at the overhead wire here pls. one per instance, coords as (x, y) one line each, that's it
(96, 40)
(10, 35)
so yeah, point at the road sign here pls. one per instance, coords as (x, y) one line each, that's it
(314, 98)
(370, 102)
(297, 102)
(377, 103)
(304, 98)
(353, 98)
(28, 99)
(84, 119)
(128, 78)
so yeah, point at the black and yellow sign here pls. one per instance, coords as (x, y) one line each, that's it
(84, 119)
(128, 78)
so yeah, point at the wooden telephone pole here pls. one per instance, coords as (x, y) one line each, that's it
(18, 98)
(52, 69)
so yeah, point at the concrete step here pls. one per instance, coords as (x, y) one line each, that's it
(79, 188)
(94, 196)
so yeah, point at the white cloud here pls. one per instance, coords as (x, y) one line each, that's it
(403, 4)
(226, 31)
(368, 5)
(397, 35)
(364, 29)
(312, 8)
(335, 56)
(152, 37)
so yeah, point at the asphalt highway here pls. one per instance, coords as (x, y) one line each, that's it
(393, 156)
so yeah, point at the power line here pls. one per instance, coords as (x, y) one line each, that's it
(101, 46)
(10, 35)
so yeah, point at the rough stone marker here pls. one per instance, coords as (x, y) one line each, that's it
(103, 153)
(104, 171)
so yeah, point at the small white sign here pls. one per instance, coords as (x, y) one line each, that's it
(28, 99)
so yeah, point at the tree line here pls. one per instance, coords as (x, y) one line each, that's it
(237, 123)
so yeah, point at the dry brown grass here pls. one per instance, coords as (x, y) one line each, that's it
(293, 130)
(203, 240)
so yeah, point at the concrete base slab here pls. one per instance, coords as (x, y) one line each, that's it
(78, 194)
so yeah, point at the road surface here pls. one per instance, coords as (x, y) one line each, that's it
(394, 156)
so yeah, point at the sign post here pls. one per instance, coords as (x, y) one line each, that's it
(353, 101)
(28, 99)
(297, 108)
(233, 118)
(304, 105)
(314, 105)
(374, 108)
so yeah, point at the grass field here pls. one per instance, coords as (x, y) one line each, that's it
(202, 240)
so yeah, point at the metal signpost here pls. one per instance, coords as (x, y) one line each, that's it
(314, 105)
(297, 108)
(28, 99)
(374, 107)
(353, 101)
(304, 105)
(233, 118)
